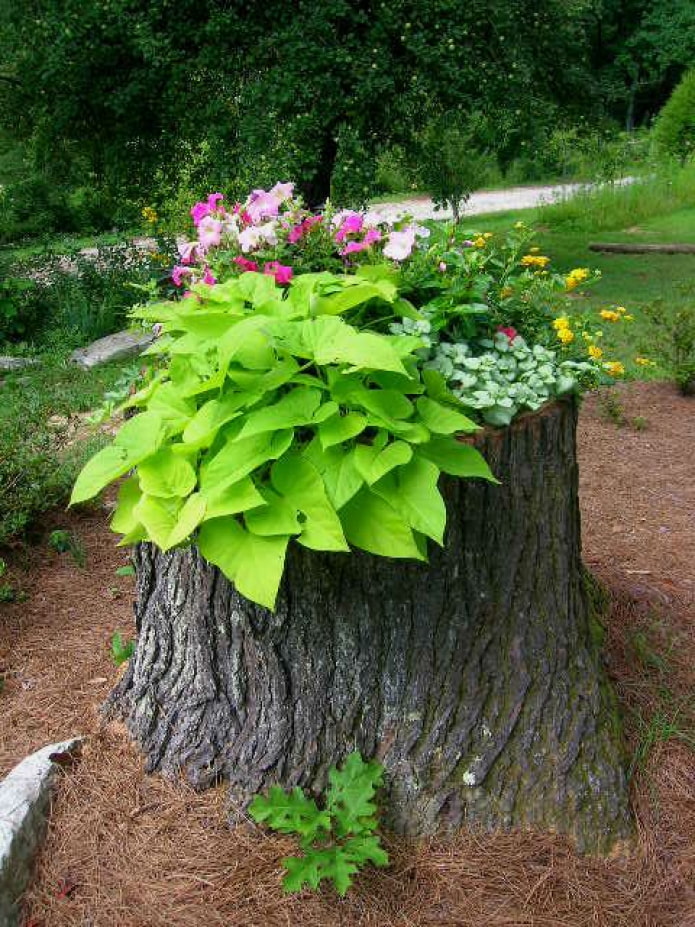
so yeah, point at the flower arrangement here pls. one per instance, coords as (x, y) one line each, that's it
(314, 372)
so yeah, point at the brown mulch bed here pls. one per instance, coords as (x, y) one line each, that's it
(129, 850)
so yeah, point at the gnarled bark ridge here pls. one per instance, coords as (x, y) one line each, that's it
(475, 679)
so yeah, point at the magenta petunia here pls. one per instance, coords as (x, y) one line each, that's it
(209, 277)
(282, 273)
(245, 263)
(510, 332)
(351, 224)
(178, 274)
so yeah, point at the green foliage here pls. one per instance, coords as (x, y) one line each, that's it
(76, 298)
(453, 165)
(674, 129)
(64, 541)
(336, 841)
(675, 332)
(121, 650)
(7, 590)
(39, 456)
(275, 420)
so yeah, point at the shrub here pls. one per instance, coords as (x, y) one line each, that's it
(453, 164)
(674, 129)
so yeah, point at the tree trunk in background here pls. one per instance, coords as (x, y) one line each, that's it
(476, 679)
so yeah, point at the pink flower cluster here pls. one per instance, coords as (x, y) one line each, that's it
(275, 220)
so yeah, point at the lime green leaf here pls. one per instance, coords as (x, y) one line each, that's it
(212, 415)
(254, 564)
(373, 463)
(302, 486)
(341, 478)
(123, 521)
(238, 458)
(456, 458)
(166, 474)
(371, 523)
(158, 516)
(253, 382)
(295, 408)
(354, 293)
(412, 491)
(175, 410)
(248, 344)
(239, 497)
(277, 516)
(443, 420)
(190, 516)
(341, 428)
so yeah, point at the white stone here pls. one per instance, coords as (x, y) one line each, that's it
(25, 797)
(111, 348)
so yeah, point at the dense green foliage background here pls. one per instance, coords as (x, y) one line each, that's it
(121, 102)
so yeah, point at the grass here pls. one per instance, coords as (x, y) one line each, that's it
(42, 446)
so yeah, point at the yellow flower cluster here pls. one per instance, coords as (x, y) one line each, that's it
(575, 277)
(149, 214)
(595, 352)
(482, 240)
(614, 368)
(619, 314)
(562, 329)
(645, 362)
(535, 260)
(506, 292)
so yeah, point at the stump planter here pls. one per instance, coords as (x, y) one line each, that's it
(476, 679)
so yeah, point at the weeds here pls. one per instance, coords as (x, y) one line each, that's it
(64, 542)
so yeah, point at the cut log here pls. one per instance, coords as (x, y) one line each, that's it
(476, 679)
(630, 248)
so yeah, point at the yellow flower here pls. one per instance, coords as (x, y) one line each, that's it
(479, 242)
(575, 277)
(506, 292)
(644, 362)
(628, 318)
(149, 215)
(609, 315)
(560, 323)
(535, 260)
(534, 250)
(487, 235)
(614, 368)
(565, 335)
(595, 352)
(519, 225)
(621, 309)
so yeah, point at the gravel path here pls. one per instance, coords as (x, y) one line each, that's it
(487, 201)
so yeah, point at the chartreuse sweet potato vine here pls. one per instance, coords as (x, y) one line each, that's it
(273, 419)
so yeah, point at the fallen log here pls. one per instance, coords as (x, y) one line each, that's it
(630, 248)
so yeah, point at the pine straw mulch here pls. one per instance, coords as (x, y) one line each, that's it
(129, 850)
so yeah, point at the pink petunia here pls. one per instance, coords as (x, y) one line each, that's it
(188, 252)
(352, 223)
(400, 244)
(354, 247)
(262, 205)
(510, 332)
(213, 200)
(372, 236)
(282, 273)
(296, 233)
(178, 273)
(245, 263)
(209, 232)
(209, 277)
(282, 191)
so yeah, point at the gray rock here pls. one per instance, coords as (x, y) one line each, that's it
(111, 348)
(8, 364)
(25, 798)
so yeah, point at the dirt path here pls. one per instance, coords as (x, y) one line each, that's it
(137, 851)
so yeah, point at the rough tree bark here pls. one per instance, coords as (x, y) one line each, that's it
(476, 679)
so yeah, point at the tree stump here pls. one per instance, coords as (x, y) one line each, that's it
(476, 679)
